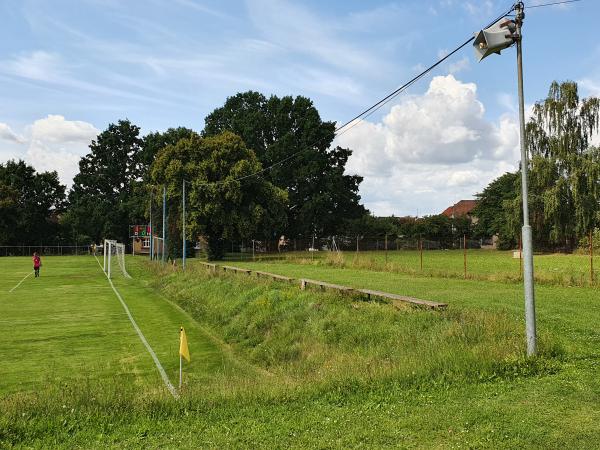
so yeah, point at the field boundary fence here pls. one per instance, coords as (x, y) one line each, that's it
(459, 256)
(44, 250)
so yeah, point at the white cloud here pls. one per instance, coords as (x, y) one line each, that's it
(51, 143)
(56, 129)
(298, 30)
(439, 142)
(590, 87)
(9, 135)
(57, 144)
(459, 66)
(38, 65)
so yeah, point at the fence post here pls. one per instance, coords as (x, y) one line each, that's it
(421, 252)
(465, 254)
(592, 256)
(357, 244)
(386, 250)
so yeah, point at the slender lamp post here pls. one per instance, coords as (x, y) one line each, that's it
(164, 222)
(183, 222)
(500, 36)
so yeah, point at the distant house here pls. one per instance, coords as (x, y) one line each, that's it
(463, 208)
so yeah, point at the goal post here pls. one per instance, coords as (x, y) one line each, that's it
(114, 255)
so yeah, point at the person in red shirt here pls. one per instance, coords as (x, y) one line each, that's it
(37, 263)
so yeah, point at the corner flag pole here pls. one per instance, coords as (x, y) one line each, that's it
(184, 352)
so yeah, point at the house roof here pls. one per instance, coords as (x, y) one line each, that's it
(462, 208)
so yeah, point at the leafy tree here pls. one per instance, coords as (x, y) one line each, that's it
(372, 226)
(321, 197)
(152, 143)
(102, 200)
(564, 170)
(8, 212)
(221, 207)
(30, 204)
(490, 210)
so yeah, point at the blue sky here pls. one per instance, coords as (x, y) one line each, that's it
(69, 68)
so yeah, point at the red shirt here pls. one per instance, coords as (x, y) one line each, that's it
(36, 262)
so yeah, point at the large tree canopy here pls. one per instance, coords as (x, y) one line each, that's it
(321, 197)
(221, 207)
(102, 200)
(490, 212)
(564, 174)
(30, 205)
(564, 169)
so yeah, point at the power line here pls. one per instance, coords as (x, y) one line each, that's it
(553, 3)
(367, 112)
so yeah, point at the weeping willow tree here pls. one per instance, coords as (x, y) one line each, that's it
(564, 168)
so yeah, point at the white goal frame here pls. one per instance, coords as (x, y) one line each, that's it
(111, 247)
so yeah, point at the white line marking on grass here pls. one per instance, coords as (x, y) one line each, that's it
(159, 366)
(19, 284)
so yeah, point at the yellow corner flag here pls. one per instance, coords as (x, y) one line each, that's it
(183, 345)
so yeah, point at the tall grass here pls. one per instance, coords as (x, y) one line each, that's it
(315, 337)
(482, 265)
(303, 345)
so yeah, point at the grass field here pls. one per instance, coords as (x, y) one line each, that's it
(273, 366)
(554, 269)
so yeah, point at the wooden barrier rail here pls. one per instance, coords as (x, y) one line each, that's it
(236, 269)
(403, 298)
(396, 299)
(304, 282)
(273, 275)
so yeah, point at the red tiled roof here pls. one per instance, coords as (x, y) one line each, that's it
(462, 208)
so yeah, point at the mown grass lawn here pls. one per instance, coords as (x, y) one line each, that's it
(311, 369)
(552, 269)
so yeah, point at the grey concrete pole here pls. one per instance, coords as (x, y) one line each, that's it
(183, 227)
(164, 222)
(151, 231)
(526, 231)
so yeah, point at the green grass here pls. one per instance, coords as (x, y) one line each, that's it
(69, 326)
(552, 269)
(273, 366)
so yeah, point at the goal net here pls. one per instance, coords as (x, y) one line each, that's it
(114, 258)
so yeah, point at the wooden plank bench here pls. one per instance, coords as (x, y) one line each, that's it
(211, 266)
(273, 275)
(397, 300)
(403, 299)
(236, 269)
(323, 285)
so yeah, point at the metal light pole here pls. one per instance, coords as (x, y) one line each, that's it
(164, 222)
(183, 227)
(526, 230)
(497, 37)
(151, 231)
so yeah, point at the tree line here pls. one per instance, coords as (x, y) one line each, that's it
(564, 177)
(265, 166)
(237, 185)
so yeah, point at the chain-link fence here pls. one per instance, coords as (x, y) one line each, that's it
(45, 250)
(315, 246)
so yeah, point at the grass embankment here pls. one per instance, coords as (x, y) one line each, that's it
(485, 265)
(322, 370)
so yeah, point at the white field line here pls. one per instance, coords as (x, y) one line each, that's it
(19, 284)
(159, 366)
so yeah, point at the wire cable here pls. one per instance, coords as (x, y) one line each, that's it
(347, 126)
(553, 4)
